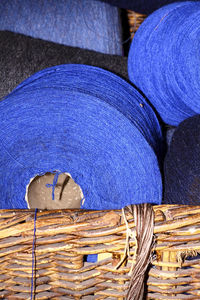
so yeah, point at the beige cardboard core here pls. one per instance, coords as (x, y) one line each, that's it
(67, 193)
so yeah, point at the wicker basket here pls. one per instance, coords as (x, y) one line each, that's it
(134, 21)
(144, 252)
(57, 268)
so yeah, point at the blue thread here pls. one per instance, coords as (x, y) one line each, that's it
(54, 183)
(33, 254)
(164, 60)
(87, 122)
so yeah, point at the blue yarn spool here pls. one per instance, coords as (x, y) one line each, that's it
(86, 24)
(164, 60)
(84, 121)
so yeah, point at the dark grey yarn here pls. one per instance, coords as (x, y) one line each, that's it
(21, 56)
(182, 164)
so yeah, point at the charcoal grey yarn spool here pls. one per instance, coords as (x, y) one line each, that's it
(182, 164)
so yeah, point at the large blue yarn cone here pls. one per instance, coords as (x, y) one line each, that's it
(84, 121)
(164, 60)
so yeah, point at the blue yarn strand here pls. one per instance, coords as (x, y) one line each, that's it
(54, 184)
(33, 255)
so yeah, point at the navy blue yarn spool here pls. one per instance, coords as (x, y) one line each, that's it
(164, 60)
(182, 164)
(141, 6)
(84, 121)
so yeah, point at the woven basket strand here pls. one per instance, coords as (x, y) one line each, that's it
(65, 237)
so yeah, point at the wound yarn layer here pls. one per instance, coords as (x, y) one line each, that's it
(164, 60)
(87, 122)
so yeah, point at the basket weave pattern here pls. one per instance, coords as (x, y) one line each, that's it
(134, 21)
(64, 238)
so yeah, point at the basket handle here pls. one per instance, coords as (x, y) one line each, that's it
(144, 224)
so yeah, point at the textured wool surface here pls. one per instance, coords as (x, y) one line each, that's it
(87, 24)
(84, 121)
(182, 164)
(164, 60)
(22, 56)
